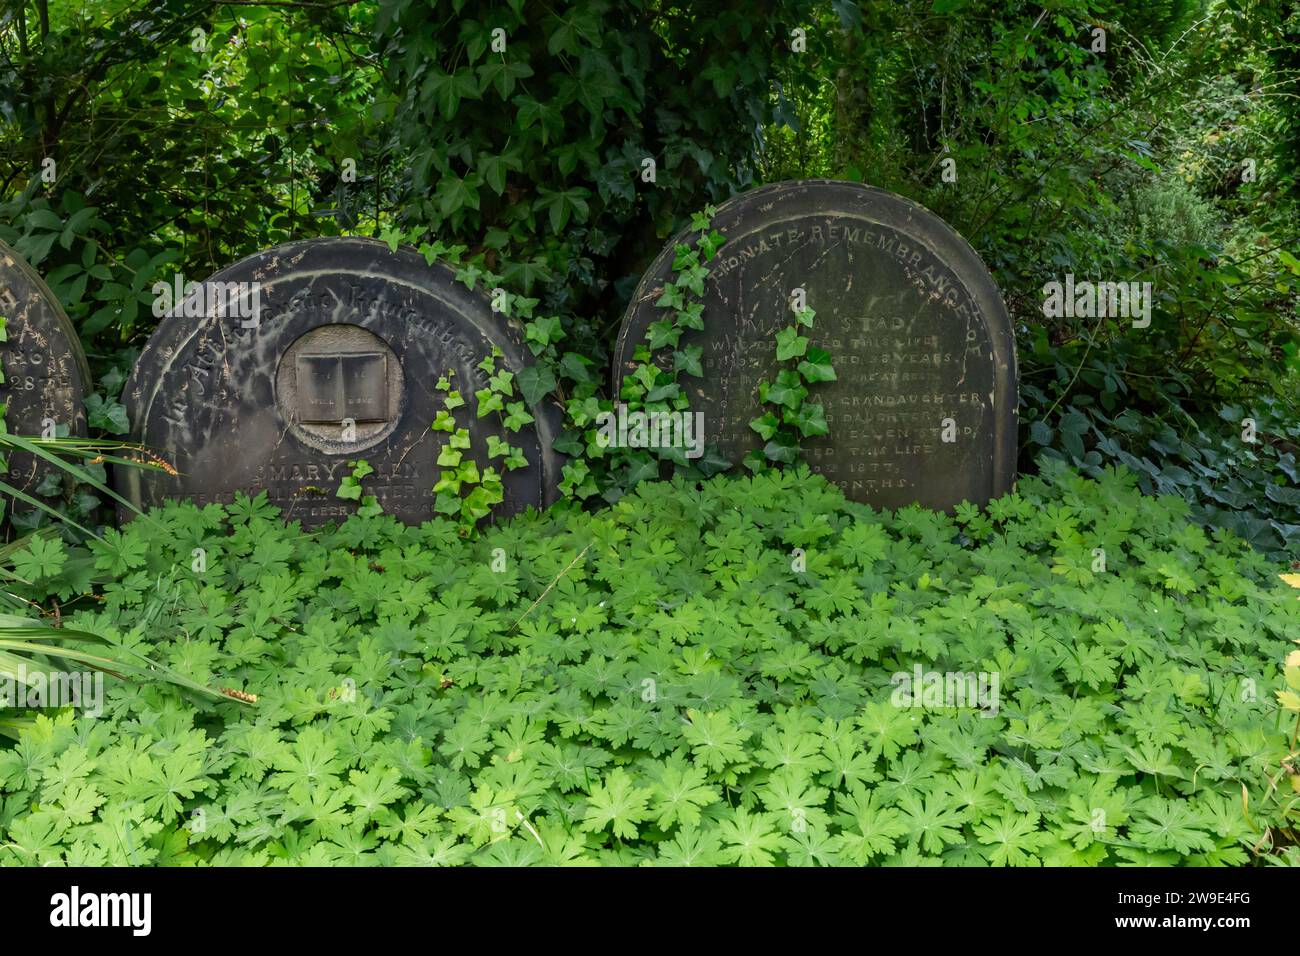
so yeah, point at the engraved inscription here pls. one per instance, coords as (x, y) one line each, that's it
(44, 372)
(906, 354)
(905, 310)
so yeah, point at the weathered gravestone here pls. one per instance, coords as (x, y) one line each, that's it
(917, 331)
(312, 354)
(45, 371)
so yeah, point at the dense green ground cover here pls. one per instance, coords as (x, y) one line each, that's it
(658, 683)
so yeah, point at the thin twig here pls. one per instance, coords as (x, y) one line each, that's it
(556, 581)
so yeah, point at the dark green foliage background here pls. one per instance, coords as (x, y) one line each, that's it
(400, 119)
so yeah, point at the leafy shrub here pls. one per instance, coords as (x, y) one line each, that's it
(564, 143)
(1172, 211)
(1169, 401)
(701, 674)
(1251, 488)
(1128, 164)
(183, 136)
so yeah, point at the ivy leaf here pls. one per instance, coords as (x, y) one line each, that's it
(790, 344)
(106, 414)
(547, 115)
(689, 360)
(493, 169)
(488, 401)
(788, 390)
(781, 449)
(517, 416)
(662, 333)
(817, 367)
(810, 419)
(766, 425)
(535, 383)
(575, 367)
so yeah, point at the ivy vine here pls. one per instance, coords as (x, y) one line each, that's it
(789, 416)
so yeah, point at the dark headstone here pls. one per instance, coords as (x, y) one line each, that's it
(45, 371)
(338, 364)
(916, 328)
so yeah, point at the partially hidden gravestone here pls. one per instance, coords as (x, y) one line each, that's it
(313, 354)
(918, 334)
(45, 371)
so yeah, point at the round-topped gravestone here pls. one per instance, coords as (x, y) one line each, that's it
(282, 368)
(924, 406)
(45, 371)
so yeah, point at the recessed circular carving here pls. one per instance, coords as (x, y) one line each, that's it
(345, 328)
(339, 388)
